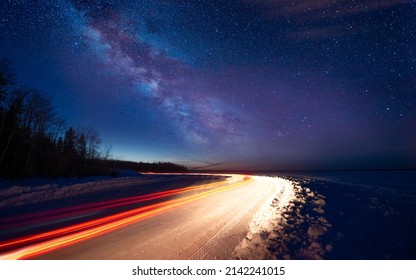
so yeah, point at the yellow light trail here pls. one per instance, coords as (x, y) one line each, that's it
(100, 226)
(82, 209)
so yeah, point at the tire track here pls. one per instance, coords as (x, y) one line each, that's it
(237, 221)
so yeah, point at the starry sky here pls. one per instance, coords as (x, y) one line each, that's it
(239, 84)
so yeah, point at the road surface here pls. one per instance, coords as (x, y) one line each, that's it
(199, 222)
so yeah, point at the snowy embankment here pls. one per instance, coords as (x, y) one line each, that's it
(288, 226)
(266, 220)
(34, 191)
(42, 190)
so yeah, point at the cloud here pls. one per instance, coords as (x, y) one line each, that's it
(208, 165)
(320, 9)
(320, 19)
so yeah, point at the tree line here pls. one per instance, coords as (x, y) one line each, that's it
(35, 141)
(146, 166)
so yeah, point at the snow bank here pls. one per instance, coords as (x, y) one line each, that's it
(41, 190)
(267, 218)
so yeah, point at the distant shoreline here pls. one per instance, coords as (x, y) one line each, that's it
(297, 171)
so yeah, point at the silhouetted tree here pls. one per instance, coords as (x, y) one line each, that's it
(69, 142)
(60, 145)
(81, 146)
(93, 143)
(37, 119)
(32, 142)
(13, 116)
(6, 80)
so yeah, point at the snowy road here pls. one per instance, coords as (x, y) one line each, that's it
(199, 222)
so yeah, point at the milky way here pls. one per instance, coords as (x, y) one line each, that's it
(232, 84)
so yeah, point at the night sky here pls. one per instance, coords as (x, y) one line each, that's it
(304, 84)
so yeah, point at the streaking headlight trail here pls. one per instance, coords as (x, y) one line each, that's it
(52, 240)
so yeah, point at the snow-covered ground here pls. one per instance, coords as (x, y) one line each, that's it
(39, 190)
(269, 218)
(266, 220)
(210, 227)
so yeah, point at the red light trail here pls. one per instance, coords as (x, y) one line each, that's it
(59, 238)
(43, 216)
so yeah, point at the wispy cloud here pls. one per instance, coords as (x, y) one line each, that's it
(317, 19)
(209, 165)
(315, 9)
